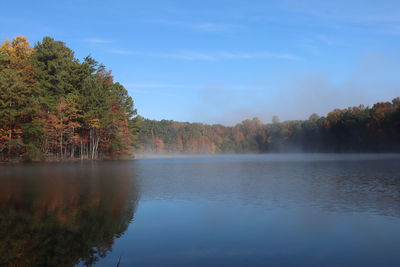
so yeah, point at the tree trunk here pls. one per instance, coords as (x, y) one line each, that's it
(10, 134)
(61, 146)
(9, 143)
(91, 143)
(96, 147)
(73, 144)
(81, 151)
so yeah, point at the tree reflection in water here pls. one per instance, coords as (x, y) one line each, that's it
(64, 214)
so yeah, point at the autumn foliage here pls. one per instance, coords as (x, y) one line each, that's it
(355, 129)
(55, 107)
(52, 106)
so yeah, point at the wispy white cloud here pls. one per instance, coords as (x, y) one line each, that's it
(153, 89)
(98, 41)
(373, 16)
(137, 91)
(175, 89)
(209, 27)
(330, 40)
(121, 52)
(245, 55)
(384, 11)
(141, 86)
(214, 27)
(156, 93)
(210, 56)
(151, 93)
(161, 86)
(226, 55)
(186, 56)
(315, 43)
(393, 29)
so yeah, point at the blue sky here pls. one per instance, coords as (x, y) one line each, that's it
(223, 61)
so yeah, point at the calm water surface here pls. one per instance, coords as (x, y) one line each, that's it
(276, 210)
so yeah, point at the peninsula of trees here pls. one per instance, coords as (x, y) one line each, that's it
(52, 106)
(55, 107)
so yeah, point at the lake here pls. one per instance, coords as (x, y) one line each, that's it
(228, 210)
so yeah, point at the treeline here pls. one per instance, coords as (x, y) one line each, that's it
(355, 129)
(53, 106)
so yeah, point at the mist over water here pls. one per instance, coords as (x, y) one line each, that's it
(230, 210)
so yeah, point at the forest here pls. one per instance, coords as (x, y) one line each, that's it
(55, 107)
(354, 129)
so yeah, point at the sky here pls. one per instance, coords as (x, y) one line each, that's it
(223, 61)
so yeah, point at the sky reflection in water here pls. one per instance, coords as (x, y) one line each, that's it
(223, 210)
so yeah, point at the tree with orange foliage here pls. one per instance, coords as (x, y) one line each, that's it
(61, 128)
(18, 97)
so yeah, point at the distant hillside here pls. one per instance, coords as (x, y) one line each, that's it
(355, 129)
